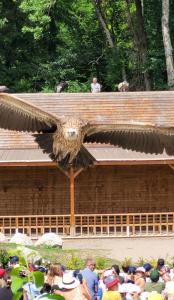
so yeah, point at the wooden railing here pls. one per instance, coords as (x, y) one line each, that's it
(94, 225)
(142, 224)
(35, 225)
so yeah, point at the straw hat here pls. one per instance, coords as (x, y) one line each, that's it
(69, 282)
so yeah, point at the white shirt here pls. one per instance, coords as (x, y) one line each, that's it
(95, 88)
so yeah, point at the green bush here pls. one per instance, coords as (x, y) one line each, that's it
(140, 262)
(78, 87)
(75, 263)
(127, 262)
(4, 258)
(101, 263)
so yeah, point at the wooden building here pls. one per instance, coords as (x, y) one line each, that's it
(126, 193)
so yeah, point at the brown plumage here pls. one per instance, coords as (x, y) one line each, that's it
(63, 138)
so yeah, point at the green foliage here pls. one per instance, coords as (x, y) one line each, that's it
(127, 262)
(75, 262)
(140, 262)
(52, 296)
(4, 258)
(38, 278)
(101, 263)
(77, 87)
(46, 41)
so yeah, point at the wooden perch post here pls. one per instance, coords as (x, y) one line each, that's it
(72, 202)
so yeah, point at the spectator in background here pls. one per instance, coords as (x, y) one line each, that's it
(111, 283)
(14, 262)
(55, 274)
(91, 278)
(2, 278)
(154, 285)
(83, 284)
(71, 288)
(5, 292)
(165, 273)
(3, 89)
(95, 86)
(60, 87)
(160, 263)
(116, 271)
(123, 86)
(140, 277)
(148, 268)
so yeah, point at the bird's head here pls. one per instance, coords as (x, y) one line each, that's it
(71, 133)
(72, 128)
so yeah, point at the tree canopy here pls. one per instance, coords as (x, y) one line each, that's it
(44, 42)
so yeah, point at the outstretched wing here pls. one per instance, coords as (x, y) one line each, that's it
(17, 114)
(140, 137)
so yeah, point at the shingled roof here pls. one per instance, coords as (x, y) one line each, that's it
(102, 108)
(109, 108)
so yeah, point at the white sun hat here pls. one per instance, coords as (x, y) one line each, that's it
(69, 282)
(140, 269)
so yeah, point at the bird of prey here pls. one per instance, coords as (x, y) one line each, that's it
(63, 138)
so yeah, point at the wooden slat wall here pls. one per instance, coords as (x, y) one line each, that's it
(34, 191)
(122, 189)
(103, 189)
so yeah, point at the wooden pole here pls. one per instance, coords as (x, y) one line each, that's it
(72, 203)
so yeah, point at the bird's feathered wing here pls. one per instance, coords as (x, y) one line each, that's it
(140, 137)
(17, 114)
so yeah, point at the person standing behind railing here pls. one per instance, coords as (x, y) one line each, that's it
(95, 86)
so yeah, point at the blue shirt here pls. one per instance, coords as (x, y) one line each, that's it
(31, 290)
(91, 280)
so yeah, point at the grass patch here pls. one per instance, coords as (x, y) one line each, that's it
(73, 259)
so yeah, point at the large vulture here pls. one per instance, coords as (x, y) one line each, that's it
(63, 138)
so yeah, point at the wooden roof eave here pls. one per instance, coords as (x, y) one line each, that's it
(97, 163)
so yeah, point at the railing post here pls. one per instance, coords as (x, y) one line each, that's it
(127, 226)
(72, 204)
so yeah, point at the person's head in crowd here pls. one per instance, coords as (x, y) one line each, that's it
(56, 270)
(165, 273)
(131, 270)
(125, 269)
(140, 272)
(90, 264)
(147, 267)
(94, 80)
(131, 291)
(165, 269)
(111, 282)
(160, 263)
(78, 276)
(131, 274)
(69, 282)
(116, 269)
(154, 275)
(14, 261)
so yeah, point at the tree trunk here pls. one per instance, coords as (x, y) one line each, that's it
(167, 43)
(140, 39)
(107, 32)
(103, 24)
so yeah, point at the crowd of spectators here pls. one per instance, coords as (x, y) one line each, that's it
(130, 283)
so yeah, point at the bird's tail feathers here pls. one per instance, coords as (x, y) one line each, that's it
(83, 159)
